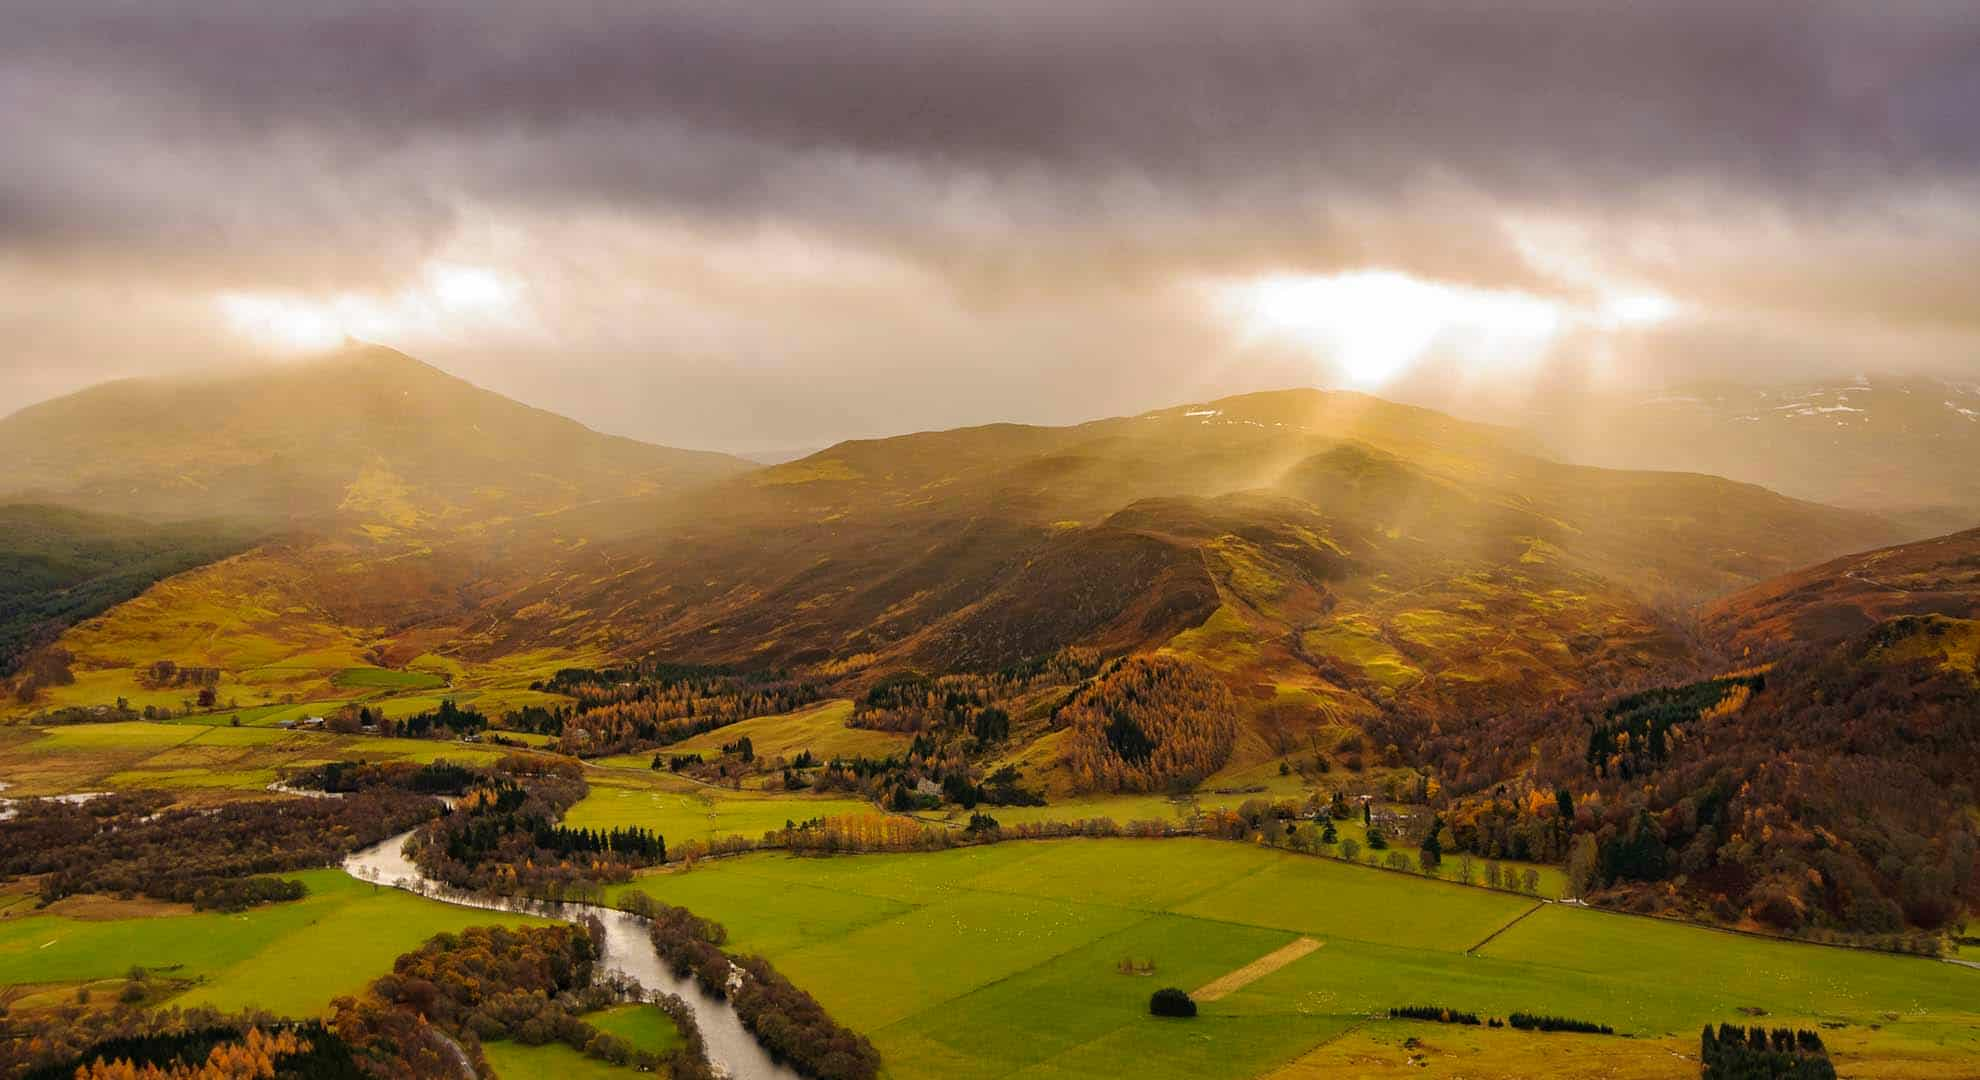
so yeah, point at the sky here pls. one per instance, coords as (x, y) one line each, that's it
(768, 225)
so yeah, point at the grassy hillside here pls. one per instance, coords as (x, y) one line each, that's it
(59, 565)
(367, 430)
(396, 490)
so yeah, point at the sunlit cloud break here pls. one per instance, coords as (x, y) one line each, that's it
(1374, 325)
(447, 301)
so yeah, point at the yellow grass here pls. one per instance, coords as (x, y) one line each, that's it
(1256, 970)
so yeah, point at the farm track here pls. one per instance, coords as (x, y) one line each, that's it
(1257, 969)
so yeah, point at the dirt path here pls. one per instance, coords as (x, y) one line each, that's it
(1256, 970)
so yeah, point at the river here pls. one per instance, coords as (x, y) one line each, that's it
(628, 951)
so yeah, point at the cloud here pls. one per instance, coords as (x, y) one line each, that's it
(692, 187)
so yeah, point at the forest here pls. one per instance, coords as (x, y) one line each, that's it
(139, 844)
(1148, 723)
(650, 704)
(59, 566)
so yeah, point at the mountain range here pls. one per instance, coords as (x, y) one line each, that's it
(1333, 555)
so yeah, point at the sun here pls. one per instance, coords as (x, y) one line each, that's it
(446, 299)
(1374, 325)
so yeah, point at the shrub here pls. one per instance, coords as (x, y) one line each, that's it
(1170, 1001)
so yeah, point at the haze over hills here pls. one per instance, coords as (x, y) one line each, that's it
(1346, 549)
(366, 493)
(1332, 555)
(1897, 445)
(1824, 604)
(366, 431)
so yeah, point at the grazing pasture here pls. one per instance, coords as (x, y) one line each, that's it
(940, 957)
(289, 958)
(681, 809)
(373, 678)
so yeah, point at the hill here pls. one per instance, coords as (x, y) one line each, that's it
(366, 431)
(1334, 557)
(1902, 446)
(1826, 603)
(1814, 779)
(59, 565)
(1341, 563)
(383, 492)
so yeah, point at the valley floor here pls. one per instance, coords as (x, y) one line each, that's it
(1005, 961)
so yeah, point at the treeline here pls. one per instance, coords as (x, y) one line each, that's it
(124, 1040)
(1531, 1022)
(1148, 723)
(1438, 1014)
(1435, 1014)
(439, 777)
(135, 844)
(856, 833)
(1735, 1053)
(787, 1021)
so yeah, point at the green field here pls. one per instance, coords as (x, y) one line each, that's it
(679, 809)
(551, 1061)
(820, 729)
(644, 1026)
(371, 678)
(288, 958)
(940, 958)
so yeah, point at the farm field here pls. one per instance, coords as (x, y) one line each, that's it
(551, 1061)
(683, 810)
(143, 754)
(938, 957)
(820, 729)
(290, 958)
(644, 1026)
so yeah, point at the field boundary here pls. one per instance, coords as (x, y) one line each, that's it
(1232, 982)
(1516, 920)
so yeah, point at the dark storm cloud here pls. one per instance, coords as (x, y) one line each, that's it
(1244, 108)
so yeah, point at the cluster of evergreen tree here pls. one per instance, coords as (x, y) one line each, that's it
(1734, 1053)
(448, 719)
(1531, 1022)
(1634, 734)
(634, 841)
(1435, 1014)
